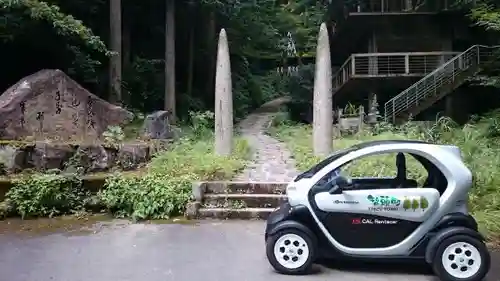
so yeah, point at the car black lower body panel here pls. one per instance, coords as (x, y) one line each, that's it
(367, 231)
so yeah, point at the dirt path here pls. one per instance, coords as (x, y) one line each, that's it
(272, 162)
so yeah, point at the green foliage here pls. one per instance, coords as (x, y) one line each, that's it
(149, 196)
(143, 83)
(17, 13)
(350, 109)
(258, 30)
(47, 195)
(6, 209)
(66, 25)
(166, 187)
(161, 191)
(486, 15)
(257, 33)
(300, 89)
(302, 19)
(113, 135)
(202, 123)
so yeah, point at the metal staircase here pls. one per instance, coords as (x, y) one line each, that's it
(439, 83)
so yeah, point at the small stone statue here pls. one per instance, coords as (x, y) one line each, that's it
(373, 112)
(157, 125)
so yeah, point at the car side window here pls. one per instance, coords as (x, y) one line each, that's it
(326, 182)
(399, 166)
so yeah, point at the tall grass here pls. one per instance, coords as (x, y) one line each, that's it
(479, 141)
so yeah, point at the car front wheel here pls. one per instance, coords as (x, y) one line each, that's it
(291, 251)
(461, 258)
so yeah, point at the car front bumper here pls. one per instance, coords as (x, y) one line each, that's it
(278, 215)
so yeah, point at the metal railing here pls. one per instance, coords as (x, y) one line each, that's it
(397, 6)
(340, 12)
(389, 65)
(446, 74)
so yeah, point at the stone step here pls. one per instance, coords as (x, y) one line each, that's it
(228, 213)
(245, 200)
(243, 188)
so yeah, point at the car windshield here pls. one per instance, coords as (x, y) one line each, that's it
(313, 170)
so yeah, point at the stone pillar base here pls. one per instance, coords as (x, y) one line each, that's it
(192, 210)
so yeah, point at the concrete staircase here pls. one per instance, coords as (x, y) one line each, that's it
(235, 200)
(439, 83)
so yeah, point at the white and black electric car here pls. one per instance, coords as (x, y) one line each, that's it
(329, 215)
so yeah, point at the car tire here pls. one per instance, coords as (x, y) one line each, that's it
(291, 251)
(461, 258)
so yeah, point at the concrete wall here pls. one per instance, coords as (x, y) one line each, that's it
(423, 36)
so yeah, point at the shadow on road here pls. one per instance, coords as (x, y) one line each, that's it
(494, 274)
(411, 268)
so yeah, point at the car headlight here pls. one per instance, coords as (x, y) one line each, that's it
(291, 194)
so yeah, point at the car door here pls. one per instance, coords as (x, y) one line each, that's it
(374, 218)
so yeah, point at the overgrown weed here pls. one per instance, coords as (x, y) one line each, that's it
(159, 193)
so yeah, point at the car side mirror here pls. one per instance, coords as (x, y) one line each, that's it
(344, 182)
(341, 183)
(334, 189)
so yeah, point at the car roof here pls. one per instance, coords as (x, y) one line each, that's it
(340, 153)
(385, 142)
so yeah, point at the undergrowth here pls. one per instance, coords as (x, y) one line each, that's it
(160, 192)
(166, 188)
(479, 141)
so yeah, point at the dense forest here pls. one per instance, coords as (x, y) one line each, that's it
(82, 39)
(76, 37)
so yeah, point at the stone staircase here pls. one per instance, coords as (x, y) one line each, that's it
(259, 188)
(235, 200)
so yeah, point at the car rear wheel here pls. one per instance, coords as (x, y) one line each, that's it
(291, 251)
(461, 258)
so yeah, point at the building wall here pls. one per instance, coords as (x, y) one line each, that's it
(422, 36)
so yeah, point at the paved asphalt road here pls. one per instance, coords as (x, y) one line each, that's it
(205, 251)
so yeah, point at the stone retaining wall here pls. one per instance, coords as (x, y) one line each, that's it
(16, 157)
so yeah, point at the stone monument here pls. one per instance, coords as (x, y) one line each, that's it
(322, 100)
(50, 105)
(157, 125)
(223, 99)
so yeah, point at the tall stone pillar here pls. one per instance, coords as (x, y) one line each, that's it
(322, 100)
(223, 99)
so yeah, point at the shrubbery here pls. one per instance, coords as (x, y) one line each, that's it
(47, 195)
(479, 141)
(161, 191)
(166, 188)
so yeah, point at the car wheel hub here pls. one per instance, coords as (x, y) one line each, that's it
(291, 251)
(461, 260)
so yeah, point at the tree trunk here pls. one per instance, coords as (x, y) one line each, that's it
(170, 59)
(190, 59)
(126, 52)
(126, 48)
(211, 40)
(115, 70)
